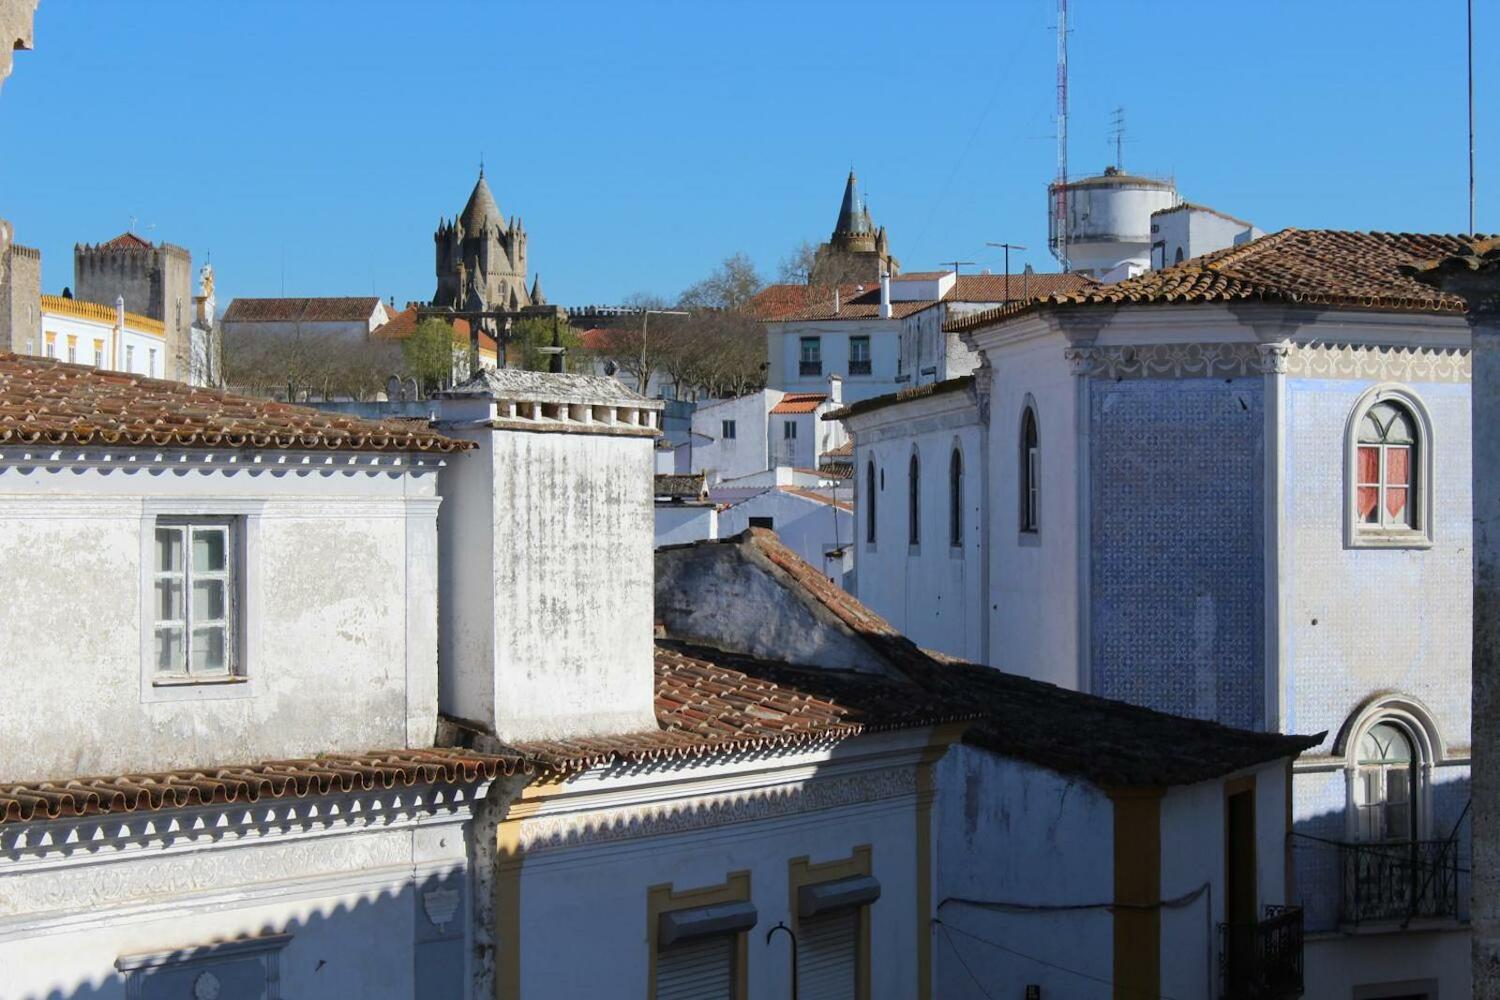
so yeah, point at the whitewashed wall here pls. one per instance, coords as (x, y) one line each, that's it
(679, 523)
(748, 451)
(340, 576)
(140, 347)
(808, 527)
(932, 592)
(783, 347)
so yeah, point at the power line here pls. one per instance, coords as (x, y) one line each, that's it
(962, 961)
(1050, 965)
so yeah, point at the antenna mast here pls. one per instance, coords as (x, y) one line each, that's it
(1117, 133)
(1059, 190)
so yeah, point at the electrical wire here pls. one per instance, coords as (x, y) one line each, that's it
(1051, 965)
(962, 961)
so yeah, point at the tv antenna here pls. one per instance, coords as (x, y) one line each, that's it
(955, 264)
(1008, 247)
(1060, 187)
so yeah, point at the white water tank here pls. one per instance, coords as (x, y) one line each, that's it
(1109, 222)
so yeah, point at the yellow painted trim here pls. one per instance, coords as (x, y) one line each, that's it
(665, 898)
(938, 743)
(801, 871)
(508, 860)
(1137, 932)
(60, 306)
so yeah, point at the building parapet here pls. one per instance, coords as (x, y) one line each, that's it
(62, 305)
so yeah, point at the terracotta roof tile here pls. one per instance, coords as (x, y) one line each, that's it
(250, 782)
(125, 241)
(1320, 267)
(49, 402)
(335, 309)
(682, 487)
(799, 402)
(787, 303)
(959, 384)
(404, 323)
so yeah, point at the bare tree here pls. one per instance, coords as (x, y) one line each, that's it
(730, 286)
(302, 366)
(796, 267)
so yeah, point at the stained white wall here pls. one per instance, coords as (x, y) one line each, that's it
(748, 451)
(339, 636)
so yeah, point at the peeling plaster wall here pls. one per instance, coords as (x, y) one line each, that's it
(339, 573)
(1009, 832)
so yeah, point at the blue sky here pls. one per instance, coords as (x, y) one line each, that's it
(312, 146)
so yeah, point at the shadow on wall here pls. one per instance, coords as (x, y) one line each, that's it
(356, 948)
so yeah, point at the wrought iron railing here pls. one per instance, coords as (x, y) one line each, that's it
(859, 367)
(1263, 960)
(806, 368)
(1406, 880)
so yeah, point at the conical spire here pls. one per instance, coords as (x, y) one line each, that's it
(851, 215)
(481, 210)
(537, 298)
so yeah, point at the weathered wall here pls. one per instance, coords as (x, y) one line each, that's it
(1177, 526)
(20, 294)
(15, 31)
(339, 571)
(157, 283)
(1013, 833)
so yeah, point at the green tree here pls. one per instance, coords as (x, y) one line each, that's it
(430, 354)
(532, 338)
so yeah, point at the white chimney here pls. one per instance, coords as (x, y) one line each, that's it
(546, 629)
(835, 300)
(836, 389)
(885, 295)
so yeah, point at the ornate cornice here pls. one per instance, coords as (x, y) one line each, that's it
(1315, 359)
(579, 829)
(1383, 364)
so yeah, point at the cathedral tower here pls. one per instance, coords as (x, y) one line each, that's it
(481, 259)
(857, 251)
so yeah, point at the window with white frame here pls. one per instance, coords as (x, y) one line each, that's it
(1389, 471)
(1386, 784)
(195, 598)
(98, 354)
(129, 357)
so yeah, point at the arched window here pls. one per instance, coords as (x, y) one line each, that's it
(956, 498)
(1030, 488)
(913, 501)
(1384, 473)
(870, 502)
(1385, 794)
(1390, 465)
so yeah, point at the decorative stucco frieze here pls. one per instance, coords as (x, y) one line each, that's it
(580, 829)
(1171, 361)
(1381, 364)
(1316, 359)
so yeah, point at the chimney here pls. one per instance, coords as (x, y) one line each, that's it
(885, 295)
(1475, 276)
(545, 556)
(835, 300)
(836, 389)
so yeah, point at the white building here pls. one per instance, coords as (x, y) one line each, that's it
(732, 439)
(1186, 230)
(87, 333)
(352, 317)
(357, 749)
(1238, 489)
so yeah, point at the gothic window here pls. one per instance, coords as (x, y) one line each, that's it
(956, 498)
(1030, 487)
(1386, 784)
(870, 502)
(914, 501)
(1389, 474)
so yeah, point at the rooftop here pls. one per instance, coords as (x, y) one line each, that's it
(800, 402)
(960, 384)
(789, 303)
(337, 309)
(48, 402)
(1110, 743)
(1317, 267)
(681, 487)
(100, 313)
(520, 384)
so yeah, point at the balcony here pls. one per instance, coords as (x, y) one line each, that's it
(859, 367)
(1411, 880)
(810, 369)
(1263, 960)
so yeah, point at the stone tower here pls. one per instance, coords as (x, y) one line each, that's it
(481, 259)
(155, 280)
(857, 251)
(20, 294)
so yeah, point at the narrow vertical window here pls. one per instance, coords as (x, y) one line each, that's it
(1030, 488)
(870, 502)
(72, 350)
(129, 358)
(914, 501)
(956, 499)
(98, 354)
(811, 359)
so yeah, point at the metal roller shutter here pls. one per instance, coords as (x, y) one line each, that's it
(827, 955)
(699, 970)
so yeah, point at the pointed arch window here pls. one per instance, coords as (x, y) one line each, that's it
(914, 501)
(956, 498)
(1030, 469)
(870, 502)
(1390, 471)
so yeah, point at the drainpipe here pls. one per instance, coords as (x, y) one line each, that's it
(1475, 276)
